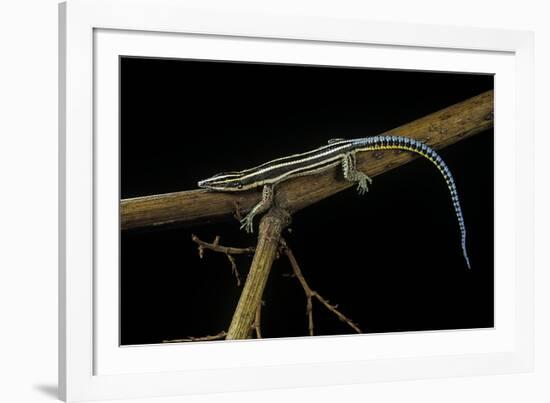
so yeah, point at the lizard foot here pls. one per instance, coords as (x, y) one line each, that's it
(363, 182)
(247, 223)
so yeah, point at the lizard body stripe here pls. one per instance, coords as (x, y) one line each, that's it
(322, 158)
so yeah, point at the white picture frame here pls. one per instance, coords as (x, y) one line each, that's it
(92, 365)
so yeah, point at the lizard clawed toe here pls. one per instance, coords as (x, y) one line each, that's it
(247, 224)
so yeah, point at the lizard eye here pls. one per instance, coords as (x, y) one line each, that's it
(239, 185)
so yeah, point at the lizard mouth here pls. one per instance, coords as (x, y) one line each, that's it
(206, 184)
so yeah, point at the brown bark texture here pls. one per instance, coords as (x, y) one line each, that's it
(271, 227)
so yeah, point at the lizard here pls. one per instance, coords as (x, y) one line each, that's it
(337, 152)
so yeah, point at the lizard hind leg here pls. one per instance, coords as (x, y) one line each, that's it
(247, 223)
(353, 175)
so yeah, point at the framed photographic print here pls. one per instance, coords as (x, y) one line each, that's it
(256, 201)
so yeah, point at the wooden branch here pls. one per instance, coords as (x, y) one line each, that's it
(216, 247)
(226, 250)
(310, 294)
(258, 321)
(437, 130)
(219, 336)
(271, 226)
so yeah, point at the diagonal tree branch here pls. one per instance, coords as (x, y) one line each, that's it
(310, 294)
(437, 130)
(271, 226)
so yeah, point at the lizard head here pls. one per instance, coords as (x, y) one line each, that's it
(225, 182)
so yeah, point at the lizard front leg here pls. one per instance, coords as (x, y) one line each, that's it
(353, 175)
(267, 200)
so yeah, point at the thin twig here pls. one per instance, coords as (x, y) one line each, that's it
(216, 247)
(334, 310)
(238, 216)
(234, 269)
(310, 294)
(226, 250)
(218, 336)
(258, 321)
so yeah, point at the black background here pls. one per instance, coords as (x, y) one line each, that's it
(391, 259)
